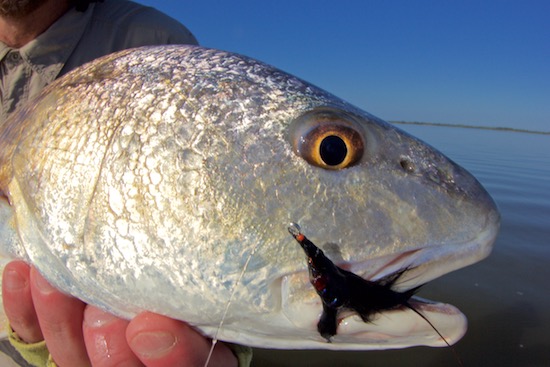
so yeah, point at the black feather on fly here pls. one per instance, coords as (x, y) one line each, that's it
(340, 289)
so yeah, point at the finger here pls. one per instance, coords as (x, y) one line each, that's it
(17, 299)
(60, 317)
(105, 338)
(161, 342)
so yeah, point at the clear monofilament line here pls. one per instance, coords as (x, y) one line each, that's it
(233, 290)
(457, 356)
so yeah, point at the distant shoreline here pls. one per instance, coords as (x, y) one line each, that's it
(472, 127)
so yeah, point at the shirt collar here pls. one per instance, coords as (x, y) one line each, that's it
(48, 52)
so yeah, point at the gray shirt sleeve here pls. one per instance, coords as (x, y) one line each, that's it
(77, 38)
(118, 25)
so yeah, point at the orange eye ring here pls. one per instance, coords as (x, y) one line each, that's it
(331, 145)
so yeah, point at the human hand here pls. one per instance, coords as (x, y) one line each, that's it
(82, 335)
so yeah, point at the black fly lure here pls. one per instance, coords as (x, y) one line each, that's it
(340, 289)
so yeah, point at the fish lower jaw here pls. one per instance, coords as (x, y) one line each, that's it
(391, 329)
(402, 327)
(394, 329)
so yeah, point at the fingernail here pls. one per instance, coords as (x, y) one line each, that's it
(13, 281)
(95, 317)
(43, 286)
(153, 345)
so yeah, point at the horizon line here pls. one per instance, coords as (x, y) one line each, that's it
(466, 126)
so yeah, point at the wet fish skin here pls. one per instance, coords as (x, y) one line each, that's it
(146, 180)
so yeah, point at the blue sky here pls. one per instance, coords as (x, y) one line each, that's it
(463, 62)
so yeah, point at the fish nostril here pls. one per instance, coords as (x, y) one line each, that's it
(407, 165)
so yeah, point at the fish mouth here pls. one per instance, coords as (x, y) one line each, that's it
(398, 327)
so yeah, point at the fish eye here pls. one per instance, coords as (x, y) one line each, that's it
(328, 140)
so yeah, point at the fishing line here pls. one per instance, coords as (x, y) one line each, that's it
(457, 356)
(233, 290)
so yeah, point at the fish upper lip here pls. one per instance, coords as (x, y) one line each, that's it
(426, 263)
(383, 265)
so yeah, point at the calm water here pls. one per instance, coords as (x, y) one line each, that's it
(505, 297)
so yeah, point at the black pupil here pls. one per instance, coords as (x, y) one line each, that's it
(333, 150)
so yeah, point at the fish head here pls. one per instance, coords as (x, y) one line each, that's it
(379, 201)
(164, 178)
